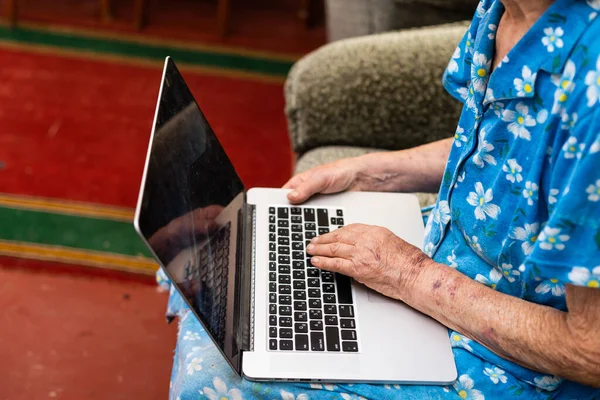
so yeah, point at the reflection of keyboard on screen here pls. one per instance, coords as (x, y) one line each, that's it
(309, 309)
(208, 278)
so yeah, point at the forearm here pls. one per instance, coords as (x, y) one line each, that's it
(419, 169)
(532, 335)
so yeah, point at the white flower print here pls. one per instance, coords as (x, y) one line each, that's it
(453, 64)
(592, 80)
(595, 147)
(492, 28)
(528, 235)
(571, 149)
(471, 99)
(508, 272)
(482, 155)
(347, 396)
(474, 243)
(428, 249)
(469, 43)
(496, 374)
(530, 192)
(547, 382)
(480, 10)
(458, 340)
(290, 396)
(220, 391)
(564, 87)
(551, 238)
(452, 260)
(503, 61)
(552, 196)
(194, 366)
(480, 67)
(525, 86)
(189, 335)
(498, 108)
(441, 213)
(389, 387)
(513, 170)
(489, 95)
(542, 116)
(553, 39)
(519, 120)
(460, 179)
(593, 191)
(481, 199)
(568, 121)
(492, 281)
(463, 92)
(584, 277)
(552, 285)
(465, 388)
(595, 4)
(324, 386)
(459, 138)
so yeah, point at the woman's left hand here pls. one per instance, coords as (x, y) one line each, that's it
(372, 255)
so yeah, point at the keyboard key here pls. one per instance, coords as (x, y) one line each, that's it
(285, 300)
(300, 305)
(314, 293)
(296, 219)
(333, 338)
(312, 272)
(285, 310)
(272, 332)
(272, 246)
(296, 228)
(297, 246)
(310, 234)
(272, 344)
(329, 298)
(296, 211)
(300, 316)
(329, 309)
(272, 320)
(299, 295)
(297, 237)
(339, 221)
(328, 288)
(285, 289)
(272, 256)
(339, 213)
(322, 217)
(316, 325)
(346, 311)
(286, 345)
(272, 266)
(347, 323)
(283, 223)
(286, 333)
(348, 334)
(272, 228)
(283, 259)
(317, 341)
(298, 255)
(314, 282)
(298, 274)
(299, 285)
(309, 215)
(272, 276)
(315, 314)
(333, 220)
(344, 289)
(283, 232)
(271, 210)
(283, 250)
(272, 308)
(284, 269)
(272, 237)
(283, 212)
(272, 287)
(272, 298)
(314, 303)
(327, 276)
(350, 347)
(271, 219)
(323, 231)
(331, 320)
(285, 321)
(301, 328)
(310, 226)
(284, 279)
(301, 342)
(298, 264)
(283, 241)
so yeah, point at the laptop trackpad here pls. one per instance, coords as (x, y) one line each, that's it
(342, 363)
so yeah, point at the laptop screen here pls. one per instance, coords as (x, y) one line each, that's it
(189, 210)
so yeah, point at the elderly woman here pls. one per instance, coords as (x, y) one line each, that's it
(511, 262)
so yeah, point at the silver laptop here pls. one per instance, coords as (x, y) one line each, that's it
(238, 258)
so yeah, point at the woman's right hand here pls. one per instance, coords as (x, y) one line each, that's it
(334, 177)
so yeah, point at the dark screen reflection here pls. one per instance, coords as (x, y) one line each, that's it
(190, 206)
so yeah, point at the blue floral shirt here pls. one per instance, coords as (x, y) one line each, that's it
(519, 205)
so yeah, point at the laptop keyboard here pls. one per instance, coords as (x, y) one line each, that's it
(309, 309)
(209, 280)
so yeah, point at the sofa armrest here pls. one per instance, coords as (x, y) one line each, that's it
(381, 91)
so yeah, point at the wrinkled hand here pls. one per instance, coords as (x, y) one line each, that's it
(372, 255)
(334, 177)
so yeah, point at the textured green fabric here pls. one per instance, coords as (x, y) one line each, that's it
(327, 154)
(382, 91)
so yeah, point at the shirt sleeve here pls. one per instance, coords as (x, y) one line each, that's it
(456, 78)
(568, 246)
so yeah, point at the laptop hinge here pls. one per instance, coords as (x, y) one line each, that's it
(246, 279)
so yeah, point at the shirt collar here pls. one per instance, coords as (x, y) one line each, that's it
(546, 46)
